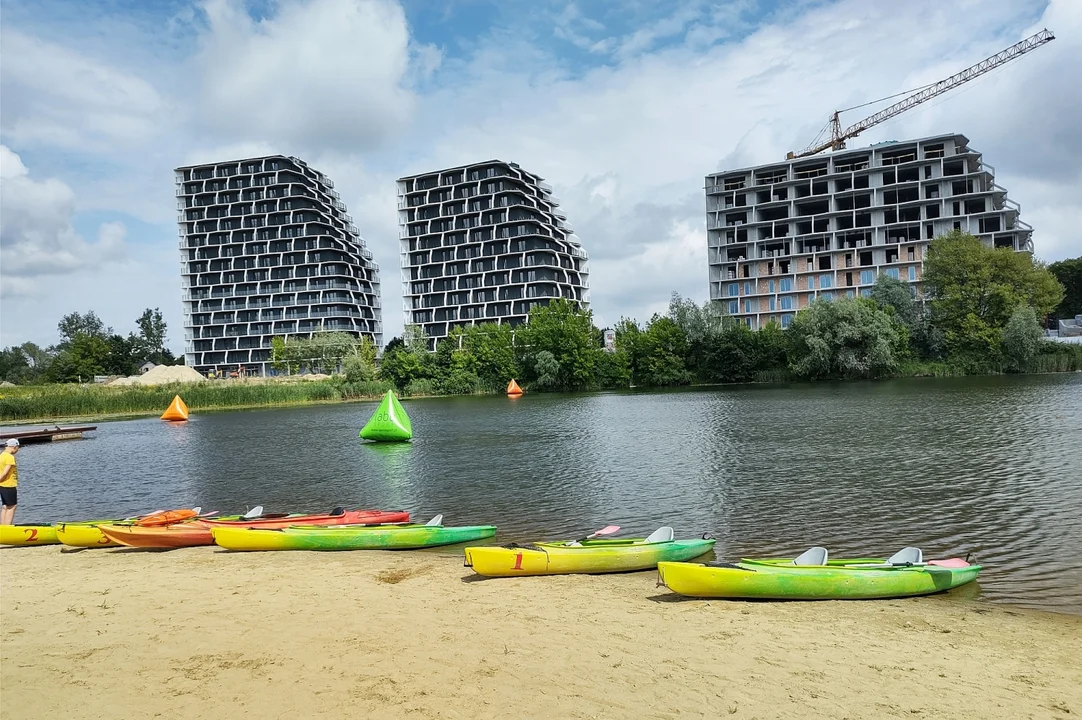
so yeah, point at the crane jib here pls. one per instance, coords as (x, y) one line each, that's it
(839, 136)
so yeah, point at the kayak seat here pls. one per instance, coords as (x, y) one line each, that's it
(438, 520)
(662, 534)
(812, 556)
(337, 511)
(906, 556)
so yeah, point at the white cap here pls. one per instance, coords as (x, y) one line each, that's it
(12, 442)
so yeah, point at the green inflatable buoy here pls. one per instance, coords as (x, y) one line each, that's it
(390, 423)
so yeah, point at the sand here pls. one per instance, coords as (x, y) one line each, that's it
(201, 632)
(162, 375)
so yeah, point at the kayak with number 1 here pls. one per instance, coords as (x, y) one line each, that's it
(587, 556)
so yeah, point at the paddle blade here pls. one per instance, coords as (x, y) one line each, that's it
(197, 508)
(607, 530)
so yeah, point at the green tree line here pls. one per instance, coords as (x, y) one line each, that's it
(87, 348)
(981, 312)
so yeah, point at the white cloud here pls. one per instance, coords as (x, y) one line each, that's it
(318, 74)
(626, 144)
(36, 234)
(56, 97)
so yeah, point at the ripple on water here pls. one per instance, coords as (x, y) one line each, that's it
(981, 465)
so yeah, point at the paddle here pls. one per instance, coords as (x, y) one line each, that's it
(607, 530)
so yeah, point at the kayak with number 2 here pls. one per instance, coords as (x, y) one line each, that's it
(28, 535)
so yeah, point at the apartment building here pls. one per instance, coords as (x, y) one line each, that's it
(484, 243)
(267, 249)
(781, 235)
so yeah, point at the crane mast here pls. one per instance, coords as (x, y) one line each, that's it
(839, 136)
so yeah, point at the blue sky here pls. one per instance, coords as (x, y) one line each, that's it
(623, 106)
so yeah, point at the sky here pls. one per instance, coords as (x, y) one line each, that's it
(624, 107)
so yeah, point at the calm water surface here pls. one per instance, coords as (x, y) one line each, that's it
(991, 466)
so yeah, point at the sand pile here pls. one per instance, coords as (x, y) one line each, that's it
(162, 375)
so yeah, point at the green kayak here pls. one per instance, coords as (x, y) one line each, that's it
(398, 536)
(813, 577)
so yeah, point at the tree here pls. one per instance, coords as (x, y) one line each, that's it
(1022, 338)
(896, 294)
(546, 370)
(75, 324)
(150, 342)
(661, 349)
(14, 365)
(566, 331)
(974, 289)
(1069, 274)
(844, 339)
(84, 357)
(122, 356)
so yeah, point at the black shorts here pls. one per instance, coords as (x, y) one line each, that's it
(9, 496)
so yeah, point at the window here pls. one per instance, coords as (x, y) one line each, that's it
(866, 292)
(772, 304)
(770, 284)
(826, 296)
(892, 273)
(867, 277)
(785, 320)
(912, 274)
(734, 307)
(734, 289)
(747, 288)
(849, 294)
(826, 281)
(787, 302)
(749, 306)
(786, 284)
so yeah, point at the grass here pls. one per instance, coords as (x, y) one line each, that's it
(51, 402)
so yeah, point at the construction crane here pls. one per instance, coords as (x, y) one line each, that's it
(839, 136)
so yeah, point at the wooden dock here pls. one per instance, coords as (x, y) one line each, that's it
(47, 434)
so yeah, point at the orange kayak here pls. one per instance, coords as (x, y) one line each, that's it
(197, 532)
(167, 517)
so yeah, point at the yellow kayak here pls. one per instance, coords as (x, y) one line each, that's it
(84, 535)
(584, 556)
(28, 535)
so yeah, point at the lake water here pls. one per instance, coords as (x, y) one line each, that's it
(991, 466)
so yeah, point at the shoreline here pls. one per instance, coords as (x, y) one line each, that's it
(390, 634)
(131, 415)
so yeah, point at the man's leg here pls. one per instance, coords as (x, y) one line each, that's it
(7, 515)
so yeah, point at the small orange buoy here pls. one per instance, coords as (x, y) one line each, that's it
(177, 410)
(513, 390)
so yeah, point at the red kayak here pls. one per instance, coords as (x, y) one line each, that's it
(197, 532)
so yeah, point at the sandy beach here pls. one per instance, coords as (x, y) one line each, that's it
(201, 632)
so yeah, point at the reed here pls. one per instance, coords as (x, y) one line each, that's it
(71, 401)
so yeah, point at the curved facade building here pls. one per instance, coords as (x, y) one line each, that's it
(484, 243)
(268, 250)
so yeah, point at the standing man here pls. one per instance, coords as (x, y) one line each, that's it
(9, 482)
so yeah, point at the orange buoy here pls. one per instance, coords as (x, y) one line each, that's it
(513, 390)
(177, 410)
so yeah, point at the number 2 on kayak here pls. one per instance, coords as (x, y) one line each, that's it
(31, 534)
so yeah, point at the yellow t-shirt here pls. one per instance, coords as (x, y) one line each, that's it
(12, 480)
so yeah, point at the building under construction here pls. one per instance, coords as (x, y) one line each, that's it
(783, 234)
(818, 226)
